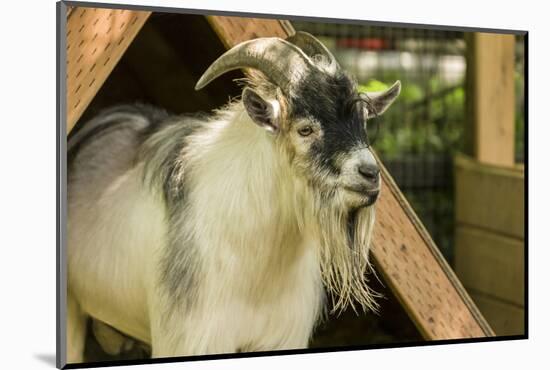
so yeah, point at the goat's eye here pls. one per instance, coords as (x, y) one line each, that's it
(305, 131)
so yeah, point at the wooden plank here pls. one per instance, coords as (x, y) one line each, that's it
(504, 318)
(403, 250)
(96, 40)
(233, 30)
(490, 263)
(491, 97)
(490, 197)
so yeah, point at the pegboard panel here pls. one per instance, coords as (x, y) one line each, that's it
(403, 251)
(96, 40)
(232, 30)
(418, 274)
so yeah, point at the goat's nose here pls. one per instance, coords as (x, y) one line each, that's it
(369, 171)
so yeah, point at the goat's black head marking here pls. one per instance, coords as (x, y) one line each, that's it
(305, 98)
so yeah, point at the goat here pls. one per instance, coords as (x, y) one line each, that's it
(232, 232)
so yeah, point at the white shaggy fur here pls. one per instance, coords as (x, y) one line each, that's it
(263, 286)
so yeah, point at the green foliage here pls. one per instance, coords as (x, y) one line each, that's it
(425, 118)
(373, 86)
(411, 92)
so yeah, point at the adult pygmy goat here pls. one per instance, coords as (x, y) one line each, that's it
(222, 234)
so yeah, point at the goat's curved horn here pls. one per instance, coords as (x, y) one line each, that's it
(311, 46)
(280, 61)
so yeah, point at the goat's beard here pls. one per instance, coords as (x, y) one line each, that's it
(345, 237)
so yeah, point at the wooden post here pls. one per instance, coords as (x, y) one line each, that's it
(490, 130)
(403, 250)
(489, 197)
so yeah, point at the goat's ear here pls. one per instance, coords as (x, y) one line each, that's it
(381, 101)
(265, 113)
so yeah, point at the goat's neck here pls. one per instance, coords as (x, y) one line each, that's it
(244, 191)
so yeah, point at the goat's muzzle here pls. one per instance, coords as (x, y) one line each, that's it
(372, 196)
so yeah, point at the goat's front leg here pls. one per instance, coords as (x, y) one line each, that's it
(179, 332)
(76, 331)
(173, 338)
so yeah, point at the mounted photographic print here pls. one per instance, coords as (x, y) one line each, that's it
(243, 184)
